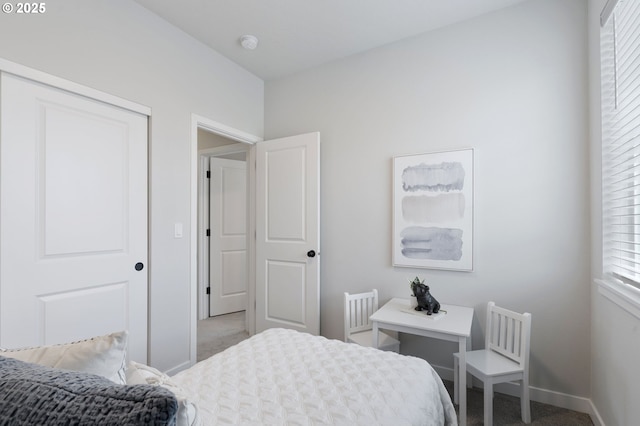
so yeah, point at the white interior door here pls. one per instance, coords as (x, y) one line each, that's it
(73, 218)
(228, 240)
(288, 233)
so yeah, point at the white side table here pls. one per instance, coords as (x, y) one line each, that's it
(454, 326)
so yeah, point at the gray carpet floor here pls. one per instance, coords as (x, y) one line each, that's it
(506, 411)
(215, 334)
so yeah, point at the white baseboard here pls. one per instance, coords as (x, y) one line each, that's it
(595, 416)
(545, 396)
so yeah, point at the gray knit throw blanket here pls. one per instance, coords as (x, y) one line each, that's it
(31, 394)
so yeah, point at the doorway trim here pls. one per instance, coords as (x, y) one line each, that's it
(199, 122)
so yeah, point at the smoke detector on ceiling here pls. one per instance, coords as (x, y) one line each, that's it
(249, 41)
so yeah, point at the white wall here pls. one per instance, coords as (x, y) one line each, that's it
(116, 46)
(511, 84)
(615, 340)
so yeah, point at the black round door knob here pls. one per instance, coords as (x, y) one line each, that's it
(311, 253)
(139, 266)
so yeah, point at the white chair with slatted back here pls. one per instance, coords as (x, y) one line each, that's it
(504, 359)
(357, 326)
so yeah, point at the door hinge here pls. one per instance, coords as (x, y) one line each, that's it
(208, 174)
(208, 232)
(208, 290)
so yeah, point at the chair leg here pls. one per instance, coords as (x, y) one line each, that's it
(488, 403)
(525, 405)
(456, 385)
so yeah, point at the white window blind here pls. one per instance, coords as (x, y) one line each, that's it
(620, 73)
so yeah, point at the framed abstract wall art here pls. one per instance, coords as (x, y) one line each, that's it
(433, 210)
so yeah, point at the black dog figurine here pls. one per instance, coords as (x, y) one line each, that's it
(426, 302)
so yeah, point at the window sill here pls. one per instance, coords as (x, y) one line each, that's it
(623, 295)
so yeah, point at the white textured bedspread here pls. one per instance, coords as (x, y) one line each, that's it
(282, 377)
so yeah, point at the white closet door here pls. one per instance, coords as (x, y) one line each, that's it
(73, 218)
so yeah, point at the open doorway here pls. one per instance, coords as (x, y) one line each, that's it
(290, 295)
(202, 129)
(223, 272)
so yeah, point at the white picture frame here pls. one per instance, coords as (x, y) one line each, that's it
(433, 210)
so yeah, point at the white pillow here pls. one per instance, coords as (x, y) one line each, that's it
(103, 355)
(140, 374)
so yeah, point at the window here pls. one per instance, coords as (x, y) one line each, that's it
(620, 85)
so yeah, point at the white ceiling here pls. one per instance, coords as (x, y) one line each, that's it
(298, 34)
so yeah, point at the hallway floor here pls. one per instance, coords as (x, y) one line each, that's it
(215, 334)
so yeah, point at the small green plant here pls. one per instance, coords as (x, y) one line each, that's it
(416, 282)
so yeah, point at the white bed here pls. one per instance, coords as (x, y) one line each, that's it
(277, 377)
(285, 377)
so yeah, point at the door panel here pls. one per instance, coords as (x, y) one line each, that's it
(73, 194)
(228, 241)
(106, 302)
(286, 293)
(285, 201)
(73, 218)
(287, 228)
